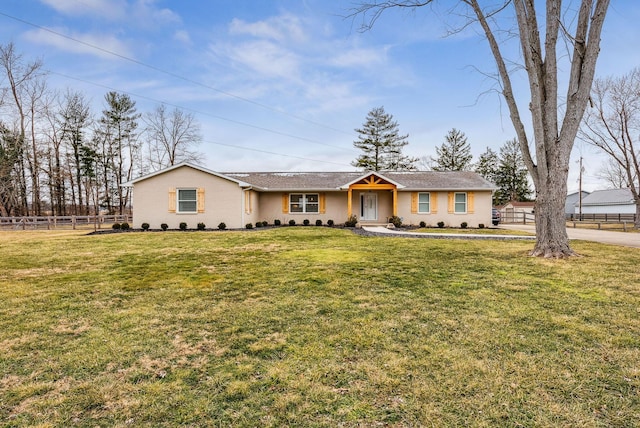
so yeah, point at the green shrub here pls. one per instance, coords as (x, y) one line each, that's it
(222, 226)
(183, 226)
(201, 226)
(145, 226)
(481, 226)
(277, 222)
(423, 224)
(441, 224)
(258, 224)
(292, 222)
(265, 224)
(463, 225)
(351, 221)
(116, 226)
(164, 226)
(318, 222)
(306, 222)
(248, 226)
(330, 222)
(396, 221)
(125, 226)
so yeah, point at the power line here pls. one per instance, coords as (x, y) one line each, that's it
(274, 153)
(177, 76)
(218, 117)
(261, 128)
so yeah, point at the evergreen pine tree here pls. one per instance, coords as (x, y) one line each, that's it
(487, 165)
(381, 144)
(454, 154)
(512, 175)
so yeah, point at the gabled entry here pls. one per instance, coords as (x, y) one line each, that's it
(369, 184)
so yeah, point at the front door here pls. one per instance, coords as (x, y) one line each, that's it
(368, 206)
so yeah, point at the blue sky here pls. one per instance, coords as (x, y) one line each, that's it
(281, 85)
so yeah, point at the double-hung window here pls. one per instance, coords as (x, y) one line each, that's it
(460, 203)
(424, 203)
(187, 200)
(304, 203)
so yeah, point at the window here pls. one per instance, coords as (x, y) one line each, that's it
(460, 206)
(424, 203)
(304, 203)
(187, 201)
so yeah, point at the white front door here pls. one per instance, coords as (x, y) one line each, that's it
(368, 206)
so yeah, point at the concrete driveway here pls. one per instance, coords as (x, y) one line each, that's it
(627, 239)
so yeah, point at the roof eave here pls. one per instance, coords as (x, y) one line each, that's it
(187, 164)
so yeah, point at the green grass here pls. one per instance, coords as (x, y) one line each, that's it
(314, 327)
(484, 231)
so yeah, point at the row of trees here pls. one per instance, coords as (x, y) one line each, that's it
(58, 157)
(381, 144)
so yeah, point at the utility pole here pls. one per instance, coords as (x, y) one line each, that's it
(580, 191)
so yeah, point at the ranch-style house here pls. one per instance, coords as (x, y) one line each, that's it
(192, 194)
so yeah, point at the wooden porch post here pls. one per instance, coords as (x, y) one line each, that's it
(349, 194)
(395, 201)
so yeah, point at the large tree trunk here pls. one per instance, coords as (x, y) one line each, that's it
(553, 133)
(551, 231)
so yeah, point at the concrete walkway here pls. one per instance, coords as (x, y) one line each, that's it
(381, 230)
(627, 239)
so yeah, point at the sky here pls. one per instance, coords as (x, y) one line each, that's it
(281, 85)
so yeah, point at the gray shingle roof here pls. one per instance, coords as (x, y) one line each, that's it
(609, 197)
(410, 180)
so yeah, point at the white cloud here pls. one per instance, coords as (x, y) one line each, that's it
(107, 9)
(182, 36)
(107, 42)
(279, 58)
(139, 12)
(360, 57)
(146, 12)
(263, 57)
(284, 28)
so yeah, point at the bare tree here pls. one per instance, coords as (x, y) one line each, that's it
(613, 174)
(19, 76)
(35, 99)
(172, 137)
(613, 126)
(555, 120)
(55, 171)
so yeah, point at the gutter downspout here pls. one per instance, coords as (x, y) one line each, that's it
(242, 205)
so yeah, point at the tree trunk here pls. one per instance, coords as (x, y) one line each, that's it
(551, 231)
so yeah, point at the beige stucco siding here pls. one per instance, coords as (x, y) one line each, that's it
(271, 208)
(223, 200)
(481, 210)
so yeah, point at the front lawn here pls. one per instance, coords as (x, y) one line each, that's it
(483, 231)
(312, 326)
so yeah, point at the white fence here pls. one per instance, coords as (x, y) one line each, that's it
(517, 217)
(61, 222)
